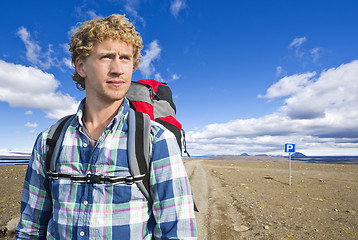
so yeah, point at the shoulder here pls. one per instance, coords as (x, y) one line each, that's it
(40, 143)
(164, 143)
(159, 132)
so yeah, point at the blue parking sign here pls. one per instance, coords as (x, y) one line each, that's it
(290, 148)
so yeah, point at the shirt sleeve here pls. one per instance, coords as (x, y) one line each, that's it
(36, 204)
(173, 205)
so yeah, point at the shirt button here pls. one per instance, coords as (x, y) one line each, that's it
(82, 234)
(84, 145)
(85, 203)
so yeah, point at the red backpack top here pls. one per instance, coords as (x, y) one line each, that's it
(155, 99)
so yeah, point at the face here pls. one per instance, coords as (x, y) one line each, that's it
(107, 71)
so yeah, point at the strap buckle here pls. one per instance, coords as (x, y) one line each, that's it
(94, 179)
(53, 175)
(138, 178)
(129, 180)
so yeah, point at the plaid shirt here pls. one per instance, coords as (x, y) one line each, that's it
(74, 210)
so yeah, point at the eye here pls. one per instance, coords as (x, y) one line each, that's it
(125, 58)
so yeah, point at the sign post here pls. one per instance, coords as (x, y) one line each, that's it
(290, 148)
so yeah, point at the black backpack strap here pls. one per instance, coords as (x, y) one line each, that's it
(184, 143)
(95, 179)
(142, 146)
(55, 134)
(138, 149)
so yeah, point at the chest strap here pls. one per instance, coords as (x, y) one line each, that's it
(96, 179)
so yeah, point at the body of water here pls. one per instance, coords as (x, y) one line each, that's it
(14, 160)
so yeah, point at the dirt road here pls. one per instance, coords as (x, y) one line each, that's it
(222, 220)
(252, 200)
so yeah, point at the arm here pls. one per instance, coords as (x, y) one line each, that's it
(36, 204)
(173, 205)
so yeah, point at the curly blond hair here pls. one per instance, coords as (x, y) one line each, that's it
(115, 26)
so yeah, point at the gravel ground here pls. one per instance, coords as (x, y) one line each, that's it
(253, 200)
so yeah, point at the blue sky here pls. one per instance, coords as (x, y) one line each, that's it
(247, 76)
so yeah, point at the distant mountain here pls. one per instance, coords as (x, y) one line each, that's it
(298, 155)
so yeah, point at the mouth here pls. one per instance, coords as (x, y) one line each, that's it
(115, 83)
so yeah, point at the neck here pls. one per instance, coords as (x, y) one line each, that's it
(97, 115)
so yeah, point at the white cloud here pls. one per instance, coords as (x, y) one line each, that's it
(31, 125)
(311, 55)
(28, 112)
(32, 49)
(34, 53)
(333, 93)
(320, 116)
(14, 152)
(71, 31)
(86, 14)
(130, 7)
(280, 71)
(92, 14)
(296, 44)
(289, 85)
(176, 6)
(68, 63)
(175, 77)
(29, 87)
(158, 77)
(315, 52)
(146, 67)
(45, 59)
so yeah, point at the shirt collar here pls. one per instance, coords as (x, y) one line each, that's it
(121, 115)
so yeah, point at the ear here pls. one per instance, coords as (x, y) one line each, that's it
(80, 68)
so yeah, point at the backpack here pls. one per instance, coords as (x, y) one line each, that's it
(155, 99)
(149, 100)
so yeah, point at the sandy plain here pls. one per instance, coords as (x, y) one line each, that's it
(250, 198)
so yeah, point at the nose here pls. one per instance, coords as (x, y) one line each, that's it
(116, 67)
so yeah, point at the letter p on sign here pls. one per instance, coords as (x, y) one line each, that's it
(289, 148)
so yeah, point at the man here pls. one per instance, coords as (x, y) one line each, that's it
(105, 52)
